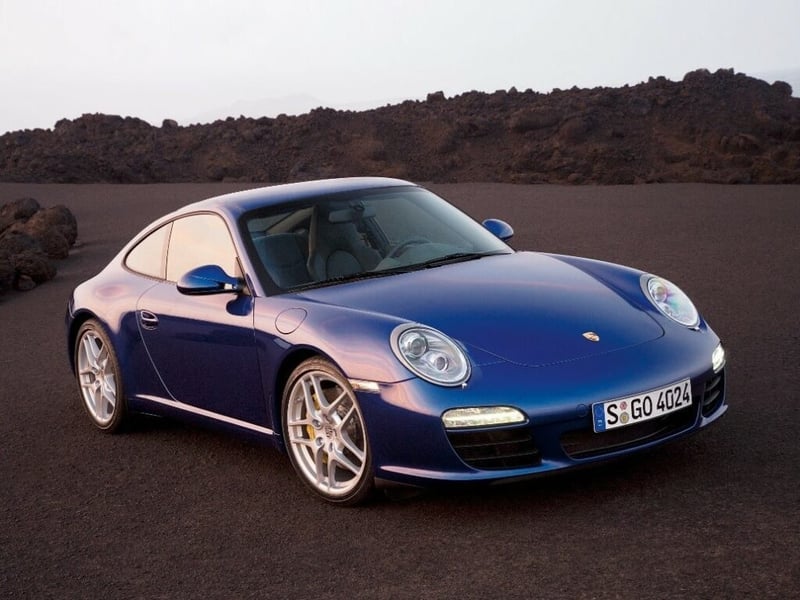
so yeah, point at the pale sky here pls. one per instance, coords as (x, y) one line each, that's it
(200, 60)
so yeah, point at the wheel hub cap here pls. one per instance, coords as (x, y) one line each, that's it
(326, 434)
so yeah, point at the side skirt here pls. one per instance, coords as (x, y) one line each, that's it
(207, 414)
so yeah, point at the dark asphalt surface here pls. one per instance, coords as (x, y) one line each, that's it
(174, 511)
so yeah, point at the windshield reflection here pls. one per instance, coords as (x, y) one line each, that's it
(372, 233)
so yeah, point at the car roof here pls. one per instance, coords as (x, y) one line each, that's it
(237, 203)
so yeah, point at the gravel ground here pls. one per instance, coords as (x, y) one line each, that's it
(174, 511)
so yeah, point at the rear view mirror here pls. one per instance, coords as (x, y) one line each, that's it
(208, 279)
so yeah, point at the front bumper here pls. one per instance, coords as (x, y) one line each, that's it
(411, 446)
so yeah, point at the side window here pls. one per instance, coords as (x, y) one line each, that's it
(199, 240)
(148, 257)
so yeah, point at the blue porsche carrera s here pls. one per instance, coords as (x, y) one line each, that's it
(378, 335)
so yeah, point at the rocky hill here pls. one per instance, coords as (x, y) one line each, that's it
(721, 127)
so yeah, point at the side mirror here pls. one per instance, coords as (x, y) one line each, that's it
(499, 228)
(208, 279)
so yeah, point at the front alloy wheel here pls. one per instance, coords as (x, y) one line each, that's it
(325, 433)
(99, 380)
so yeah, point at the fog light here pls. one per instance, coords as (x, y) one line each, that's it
(718, 358)
(482, 416)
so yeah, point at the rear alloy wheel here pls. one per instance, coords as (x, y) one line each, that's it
(99, 379)
(325, 433)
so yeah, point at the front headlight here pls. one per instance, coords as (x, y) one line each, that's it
(670, 300)
(718, 358)
(430, 354)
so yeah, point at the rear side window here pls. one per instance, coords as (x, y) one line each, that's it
(200, 240)
(148, 257)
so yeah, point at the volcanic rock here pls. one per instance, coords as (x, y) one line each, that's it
(30, 237)
(709, 127)
(22, 208)
(58, 219)
(33, 266)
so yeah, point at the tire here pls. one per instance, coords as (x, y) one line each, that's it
(99, 378)
(325, 434)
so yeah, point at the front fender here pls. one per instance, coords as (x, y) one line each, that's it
(357, 341)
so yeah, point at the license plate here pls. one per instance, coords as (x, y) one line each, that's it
(635, 409)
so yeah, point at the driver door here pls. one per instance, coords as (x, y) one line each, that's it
(203, 347)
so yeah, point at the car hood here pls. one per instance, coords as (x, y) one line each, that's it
(526, 308)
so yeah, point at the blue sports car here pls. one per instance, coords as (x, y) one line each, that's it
(380, 336)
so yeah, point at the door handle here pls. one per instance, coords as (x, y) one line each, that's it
(148, 319)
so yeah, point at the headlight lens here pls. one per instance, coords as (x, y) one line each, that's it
(670, 300)
(430, 354)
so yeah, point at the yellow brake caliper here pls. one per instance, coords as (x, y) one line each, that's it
(310, 428)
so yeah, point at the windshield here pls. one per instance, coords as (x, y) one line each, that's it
(371, 233)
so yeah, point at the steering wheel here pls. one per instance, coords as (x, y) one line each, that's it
(400, 247)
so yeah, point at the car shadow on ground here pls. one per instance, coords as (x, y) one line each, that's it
(673, 466)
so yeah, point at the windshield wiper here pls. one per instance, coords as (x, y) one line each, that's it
(455, 257)
(345, 278)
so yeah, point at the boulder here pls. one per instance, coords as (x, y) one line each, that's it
(17, 210)
(15, 241)
(7, 274)
(20, 209)
(30, 237)
(34, 265)
(53, 219)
